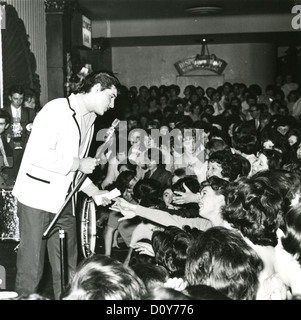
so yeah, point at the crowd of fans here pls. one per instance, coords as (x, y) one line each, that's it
(210, 182)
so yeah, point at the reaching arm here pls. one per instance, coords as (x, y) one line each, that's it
(185, 197)
(163, 218)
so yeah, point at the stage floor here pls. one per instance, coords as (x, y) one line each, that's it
(8, 256)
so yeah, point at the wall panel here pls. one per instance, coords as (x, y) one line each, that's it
(32, 12)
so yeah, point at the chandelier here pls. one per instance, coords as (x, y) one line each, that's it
(208, 61)
(204, 60)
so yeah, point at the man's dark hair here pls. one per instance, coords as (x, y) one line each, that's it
(15, 89)
(105, 78)
(5, 115)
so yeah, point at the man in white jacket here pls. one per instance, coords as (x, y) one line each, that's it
(56, 152)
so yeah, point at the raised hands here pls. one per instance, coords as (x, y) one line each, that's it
(128, 210)
(185, 197)
(144, 248)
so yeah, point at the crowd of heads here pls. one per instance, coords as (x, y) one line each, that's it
(237, 150)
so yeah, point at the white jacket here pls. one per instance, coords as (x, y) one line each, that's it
(44, 176)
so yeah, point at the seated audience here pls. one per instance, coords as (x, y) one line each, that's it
(225, 165)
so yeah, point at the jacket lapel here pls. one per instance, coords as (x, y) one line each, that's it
(77, 120)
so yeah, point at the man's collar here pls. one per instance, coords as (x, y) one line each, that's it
(79, 103)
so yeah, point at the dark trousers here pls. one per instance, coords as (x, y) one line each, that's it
(32, 249)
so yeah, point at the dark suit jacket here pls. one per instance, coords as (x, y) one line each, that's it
(27, 116)
(161, 175)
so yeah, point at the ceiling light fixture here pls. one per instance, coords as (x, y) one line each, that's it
(204, 10)
(204, 60)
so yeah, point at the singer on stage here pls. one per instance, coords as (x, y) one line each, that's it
(55, 153)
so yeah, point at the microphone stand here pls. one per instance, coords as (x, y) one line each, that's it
(71, 193)
(82, 178)
(62, 260)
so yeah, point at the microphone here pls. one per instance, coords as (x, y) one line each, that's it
(108, 136)
(83, 177)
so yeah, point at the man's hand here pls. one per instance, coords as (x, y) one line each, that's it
(104, 201)
(87, 165)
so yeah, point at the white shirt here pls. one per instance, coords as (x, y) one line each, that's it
(16, 112)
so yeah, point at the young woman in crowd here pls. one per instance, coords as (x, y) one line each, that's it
(246, 243)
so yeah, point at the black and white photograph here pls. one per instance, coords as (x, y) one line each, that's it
(150, 150)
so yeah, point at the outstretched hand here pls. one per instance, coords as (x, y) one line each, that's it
(185, 197)
(127, 209)
(144, 248)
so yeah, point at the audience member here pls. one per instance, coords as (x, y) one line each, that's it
(211, 262)
(18, 132)
(256, 210)
(102, 278)
(210, 192)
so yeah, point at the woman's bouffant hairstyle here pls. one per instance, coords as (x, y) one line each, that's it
(217, 184)
(170, 247)
(152, 275)
(247, 144)
(222, 259)
(147, 192)
(287, 183)
(190, 182)
(255, 209)
(122, 181)
(230, 168)
(275, 158)
(240, 132)
(243, 164)
(214, 145)
(292, 240)
(102, 278)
